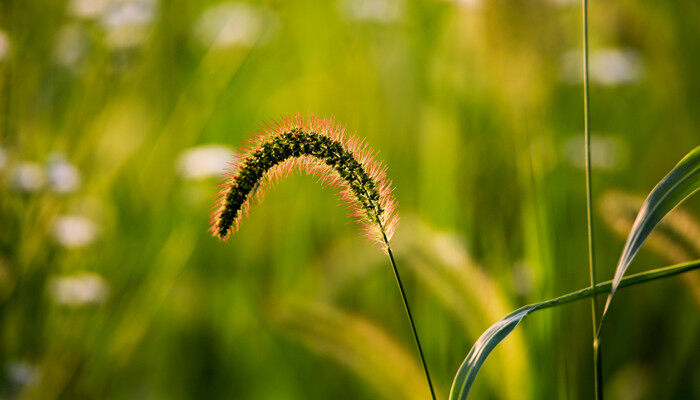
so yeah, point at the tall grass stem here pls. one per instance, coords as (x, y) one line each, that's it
(598, 378)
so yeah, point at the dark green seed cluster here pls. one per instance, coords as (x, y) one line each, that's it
(293, 144)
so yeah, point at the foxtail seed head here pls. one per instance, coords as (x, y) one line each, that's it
(318, 147)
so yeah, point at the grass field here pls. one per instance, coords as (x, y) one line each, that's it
(117, 118)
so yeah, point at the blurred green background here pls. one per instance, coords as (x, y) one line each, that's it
(119, 115)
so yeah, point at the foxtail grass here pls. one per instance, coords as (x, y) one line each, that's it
(322, 148)
(317, 147)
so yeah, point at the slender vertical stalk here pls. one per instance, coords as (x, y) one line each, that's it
(410, 316)
(589, 209)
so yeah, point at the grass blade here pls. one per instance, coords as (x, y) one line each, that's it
(680, 183)
(464, 379)
(482, 348)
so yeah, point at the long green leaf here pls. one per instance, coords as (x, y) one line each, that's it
(488, 341)
(482, 348)
(679, 184)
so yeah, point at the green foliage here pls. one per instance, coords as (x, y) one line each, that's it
(681, 182)
(474, 111)
(487, 342)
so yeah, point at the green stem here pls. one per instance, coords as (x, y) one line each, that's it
(630, 280)
(589, 209)
(410, 316)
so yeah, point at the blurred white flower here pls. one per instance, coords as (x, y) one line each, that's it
(71, 46)
(565, 2)
(28, 177)
(78, 289)
(74, 231)
(21, 373)
(4, 45)
(204, 161)
(87, 8)
(615, 66)
(467, 3)
(64, 177)
(607, 153)
(127, 21)
(608, 67)
(232, 24)
(127, 13)
(384, 11)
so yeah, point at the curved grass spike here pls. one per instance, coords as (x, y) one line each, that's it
(319, 147)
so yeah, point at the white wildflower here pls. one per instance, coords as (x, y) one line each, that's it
(74, 231)
(204, 161)
(607, 67)
(607, 152)
(232, 24)
(28, 177)
(80, 289)
(64, 177)
(384, 11)
(126, 22)
(22, 373)
(87, 8)
(71, 46)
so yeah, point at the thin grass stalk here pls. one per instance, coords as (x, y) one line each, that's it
(598, 378)
(410, 316)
